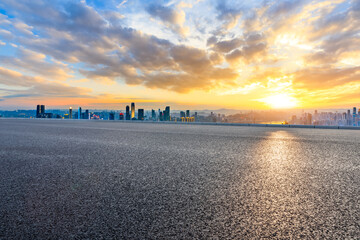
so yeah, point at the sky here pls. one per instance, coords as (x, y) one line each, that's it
(187, 54)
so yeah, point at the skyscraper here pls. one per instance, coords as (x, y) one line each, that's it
(354, 116)
(87, 115)
(79, 113)
(121, 116)
(182, 114)
(70, 112)
(153, 115)
(167, 114)
(127, 114)
(141, 114)
(111, 116)
(187, 113)
(132, 110)
(40, 111)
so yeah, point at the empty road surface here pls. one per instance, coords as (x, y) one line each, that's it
(81, 179)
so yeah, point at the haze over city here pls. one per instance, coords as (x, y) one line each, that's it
(187, 54)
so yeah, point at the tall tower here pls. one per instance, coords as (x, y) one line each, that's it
(167, 113)
(70, 113)
(87, 114)
(127, 114)
(38, 111)
(79, 113)
(132, 110)
(141, 114)
(153, 115)
(354, 116)
(42, 109)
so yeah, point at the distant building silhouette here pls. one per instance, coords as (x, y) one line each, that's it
(79, 113)
(127, 116)
(153, 115)
(348, 118)
(132, 110)
(87, 114)
(141, 114)
(40, 110)
(354, 116)
(182, 114)
(167, 114)
(70, 113)
(121, 116)
(111, 116)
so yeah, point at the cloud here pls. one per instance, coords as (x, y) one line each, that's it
(173, 18)
(36, 86)
(225, 46)
(121, 4)
(105, 45)
(325, 77)
(228, 14)
(34, 62)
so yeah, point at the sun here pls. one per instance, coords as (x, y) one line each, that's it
(280, 101)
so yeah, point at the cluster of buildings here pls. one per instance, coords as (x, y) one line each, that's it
(130, 114)
(40, 112)
(347, 118)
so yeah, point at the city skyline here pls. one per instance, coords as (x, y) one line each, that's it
(187, 54)
(349, 118)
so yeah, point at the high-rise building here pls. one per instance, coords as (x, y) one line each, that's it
(79, 113)
(121, 116)
(182, 114)
(42, 107)
(153, 115)
(141, 114)
(127, 116)
(167, 114)
(187, 113)
(40, 111)
(111, 116)
(87, 114)
(309, 119)
(354, 117)
(70, 112)
(132, 110)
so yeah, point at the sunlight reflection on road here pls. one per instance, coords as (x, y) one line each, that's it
(279, 180)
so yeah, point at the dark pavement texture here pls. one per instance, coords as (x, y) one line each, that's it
(73, 179)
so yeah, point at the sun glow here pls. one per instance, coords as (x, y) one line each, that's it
(280, 101)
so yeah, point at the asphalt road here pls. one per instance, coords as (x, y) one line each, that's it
(98, 179)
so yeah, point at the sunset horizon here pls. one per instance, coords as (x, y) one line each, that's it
(191, 54)
(179, 119)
